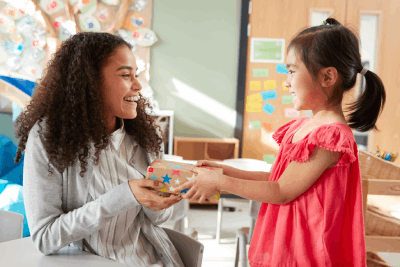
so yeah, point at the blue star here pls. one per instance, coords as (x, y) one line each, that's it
(153, 177)
(185, 191)
(177, 167)
(166, 178)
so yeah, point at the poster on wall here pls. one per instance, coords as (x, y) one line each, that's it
(267, 50)
(165, 119)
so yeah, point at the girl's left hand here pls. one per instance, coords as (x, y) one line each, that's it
(205, 184)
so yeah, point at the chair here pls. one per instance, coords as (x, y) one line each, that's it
(190, 250)
(11, 225)
(243, 235)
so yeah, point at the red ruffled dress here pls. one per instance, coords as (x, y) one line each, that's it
(324, 226)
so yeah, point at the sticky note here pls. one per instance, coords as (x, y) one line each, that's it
(267, 126)
(287, 99)
(284, 87)
(291, 113)
(270, 84)
(269, 158)
(281, 69)
(268, 95)
(253, 107)
(254, 125)
(254, 98)
(255, 85)
(268, 108)
(261, 72)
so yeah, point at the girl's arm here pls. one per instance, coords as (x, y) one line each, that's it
(245, 175)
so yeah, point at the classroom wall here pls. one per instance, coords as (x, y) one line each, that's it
(194, 64)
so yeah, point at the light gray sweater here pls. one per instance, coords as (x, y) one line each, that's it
(57, 215)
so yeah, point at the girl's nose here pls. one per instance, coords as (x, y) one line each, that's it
(286, 84)
(136, 85)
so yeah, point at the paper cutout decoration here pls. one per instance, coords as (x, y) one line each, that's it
(255, 125)
(134, 21)
(145, 37)
(253, 107)
(267, 50)
(111, 2)
(268, 108)
(261, 72)
(3, 55)
(255, 85)
(89, 23)
(291, 113)
(284, 87)
(128, 37)
(16, 49)
(254, 98)
(51, 6)
(87, 7)
(103, 14)
(38, 42)
(287, 99)
(269, 158)
(280, 68)
(33, 70)
(12, 12)
(26, 26)
(268, 95)
(270, 84)
(14, 63)
(6, 24)
(267, 126)
(138, 5)
(33, 55)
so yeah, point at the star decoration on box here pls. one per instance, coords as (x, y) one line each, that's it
(171, 188)
(153, 177)
(185, 190)
(190, 178)
(176, 172)
(177, 181)
(166, 178)
(164, 189)
(177, 167)
(151, 169)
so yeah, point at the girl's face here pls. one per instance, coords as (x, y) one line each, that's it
(120, 87)
(308, 94)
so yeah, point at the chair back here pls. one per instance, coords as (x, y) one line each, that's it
(190, 250)
(11, 225)
(254, 209)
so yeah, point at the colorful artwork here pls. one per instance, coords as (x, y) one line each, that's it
(138, 5)
(255, 85)
(51, 6)
(269, 95)
(264, 72)
(134, 21)
(89, 23)
(145, 37)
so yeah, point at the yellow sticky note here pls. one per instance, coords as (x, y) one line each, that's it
(253, 107)
(254, 98)
(270, 84)
(284, 87)
(255, 85)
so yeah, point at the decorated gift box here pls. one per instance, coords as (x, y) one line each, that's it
(173, 174)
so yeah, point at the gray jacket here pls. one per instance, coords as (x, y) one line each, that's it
(58, 217)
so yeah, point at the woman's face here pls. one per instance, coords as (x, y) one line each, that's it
(120, 87)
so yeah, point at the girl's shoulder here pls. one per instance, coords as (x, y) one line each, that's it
(280, 133)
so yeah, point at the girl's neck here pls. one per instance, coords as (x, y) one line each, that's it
(334, 113)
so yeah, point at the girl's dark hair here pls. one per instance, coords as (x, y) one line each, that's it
(334, 45)
(67, 99)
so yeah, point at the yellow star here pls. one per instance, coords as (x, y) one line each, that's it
(164, 189)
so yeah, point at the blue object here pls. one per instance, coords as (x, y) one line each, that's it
(25, 86)
(7, 155)
(281, 69)
(268, 108)
(268, 95)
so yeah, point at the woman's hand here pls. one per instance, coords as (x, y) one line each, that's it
(205, 184)
(141, 189)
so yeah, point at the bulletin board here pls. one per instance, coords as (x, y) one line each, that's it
(32, 30)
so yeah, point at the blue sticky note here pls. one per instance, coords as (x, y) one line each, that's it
(281, 69)
(268, 108)
(268, 95)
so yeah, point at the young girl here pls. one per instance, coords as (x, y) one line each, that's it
(311, 212)
(88, 142)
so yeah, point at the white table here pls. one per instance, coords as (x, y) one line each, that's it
(22, 253)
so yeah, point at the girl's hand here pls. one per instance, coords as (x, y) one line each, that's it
(207, 163)
(205, 184)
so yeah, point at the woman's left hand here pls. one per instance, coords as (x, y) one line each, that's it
(205, 184)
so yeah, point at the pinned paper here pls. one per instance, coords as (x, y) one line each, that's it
(284, 87)
(111, 2)
(287, 99)
(268, 95)
(291, 113)
(280, 68)
(254, 98)
(52, 6)
(253, 107)
(145, 37)
(261, 72)
(134, 21)
(103, 14)
(254, 125)
(268, 108)
(267, 126)
(270, 84)
(89, 23)
(138, 5)
(87, 7)
(255, 85)
(269, 158)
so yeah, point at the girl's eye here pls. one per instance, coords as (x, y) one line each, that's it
(290, 72)
(126, 75)
(136, 76)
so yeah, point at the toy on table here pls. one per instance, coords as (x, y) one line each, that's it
(384, 155)
(173, 174)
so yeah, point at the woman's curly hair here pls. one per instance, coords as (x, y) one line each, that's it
(67, 99)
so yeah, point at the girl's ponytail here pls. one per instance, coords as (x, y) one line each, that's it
(367, 108)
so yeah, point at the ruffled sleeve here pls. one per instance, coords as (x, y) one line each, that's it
(281, 131)
(330, 137)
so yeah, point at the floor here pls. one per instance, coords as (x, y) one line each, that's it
(204, 221)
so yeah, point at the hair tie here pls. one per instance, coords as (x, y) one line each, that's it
(363, 71)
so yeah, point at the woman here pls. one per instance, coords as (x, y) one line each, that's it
(88, 142)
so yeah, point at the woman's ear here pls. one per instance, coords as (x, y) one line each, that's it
(328, 76)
